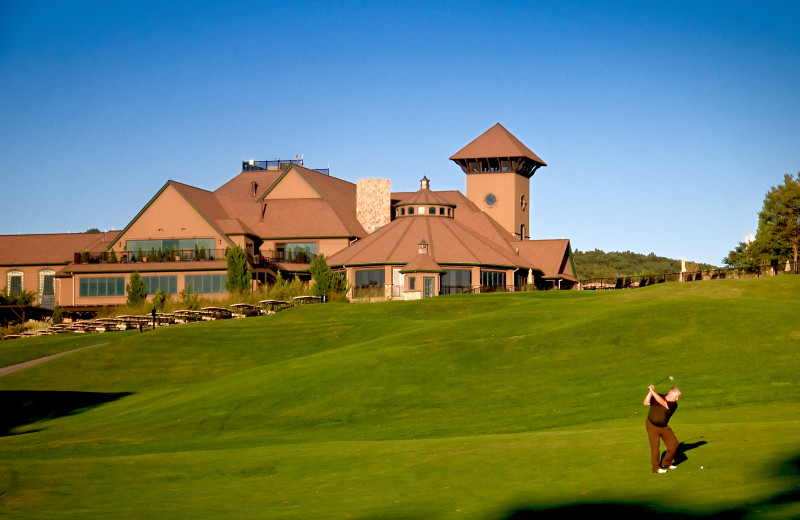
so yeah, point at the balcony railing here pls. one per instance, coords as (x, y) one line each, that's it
(188, 255)
(129, 257)
(277, 164)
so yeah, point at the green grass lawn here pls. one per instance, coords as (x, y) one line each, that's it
(471, 406)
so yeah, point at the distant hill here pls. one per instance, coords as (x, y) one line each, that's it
(599, 264)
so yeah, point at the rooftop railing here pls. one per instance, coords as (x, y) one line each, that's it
(278, 164)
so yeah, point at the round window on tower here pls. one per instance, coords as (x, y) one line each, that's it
(490, 199)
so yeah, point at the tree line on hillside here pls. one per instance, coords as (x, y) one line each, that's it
(599, 264)
(778, 236)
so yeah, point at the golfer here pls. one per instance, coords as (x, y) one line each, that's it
(662, 406)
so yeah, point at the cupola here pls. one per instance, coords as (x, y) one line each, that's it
(424, 203)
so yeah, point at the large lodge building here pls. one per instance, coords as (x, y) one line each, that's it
(390, 244)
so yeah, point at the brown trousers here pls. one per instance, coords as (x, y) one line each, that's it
(655, 434)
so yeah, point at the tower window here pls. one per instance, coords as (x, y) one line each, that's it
(490, 199)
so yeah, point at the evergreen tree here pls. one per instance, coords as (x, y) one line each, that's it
(322, 275)
(779, 220)
(137, 292)
(238, 270)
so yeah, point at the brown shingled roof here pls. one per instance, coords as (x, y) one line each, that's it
(332, 215)
(422, 263)
(449, 242)
(50, 249)
(424, 197)
(552, 256)
(496, 142)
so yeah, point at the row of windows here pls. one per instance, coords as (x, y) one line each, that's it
(167, 284)
(206, 283)
(457, 278)
(106, 286)
(370, 277)
(188, 244)
(493, 278)
(450, 278)
(432, 210)
(14, 282)
(115, 285)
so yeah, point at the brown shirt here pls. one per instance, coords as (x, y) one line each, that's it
(659, 415)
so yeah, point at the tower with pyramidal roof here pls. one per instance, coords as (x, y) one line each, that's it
(499, 168)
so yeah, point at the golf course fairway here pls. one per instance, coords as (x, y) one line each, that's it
(489, 406)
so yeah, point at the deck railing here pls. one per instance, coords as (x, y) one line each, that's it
(126, 257)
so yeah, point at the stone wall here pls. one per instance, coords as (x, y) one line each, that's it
(373, 203)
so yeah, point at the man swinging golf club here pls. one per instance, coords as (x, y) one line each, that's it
(662, 406)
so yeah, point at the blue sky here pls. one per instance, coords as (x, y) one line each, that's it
(663, 123)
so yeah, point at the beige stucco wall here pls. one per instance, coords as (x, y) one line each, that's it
(507, 187)
(64, 294)
(292, 186)
(167, 217)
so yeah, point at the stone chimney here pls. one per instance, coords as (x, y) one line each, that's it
(373, 203)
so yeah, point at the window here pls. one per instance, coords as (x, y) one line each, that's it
(168, 284)
(299, 252)
(101, 286)
(493, 278)
(14, 282)
(47, 288)
(490, 199)
(410, 211)
(456, 281)
(370, 277)
(412, 283)
(206, 283)
(190, 244)
(457, 278)
(441, 211)
(432, 211)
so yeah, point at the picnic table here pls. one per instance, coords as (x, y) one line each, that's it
(216, 313)
(188, 316)
(307, 299)
(246, 309)
(275, 305)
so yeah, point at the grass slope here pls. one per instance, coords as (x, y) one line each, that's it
(476, 406)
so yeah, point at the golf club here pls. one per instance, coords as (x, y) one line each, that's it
(668, 377)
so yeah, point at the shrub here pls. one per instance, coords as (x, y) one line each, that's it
(58, 315)
(137, 292)
(189, 299)
(160, 300)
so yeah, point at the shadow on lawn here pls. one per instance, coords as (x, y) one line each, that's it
(630, 511)
(615, 510)
(24, 407)
(680, 455)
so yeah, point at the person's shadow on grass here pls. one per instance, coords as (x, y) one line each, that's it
(680, 454)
